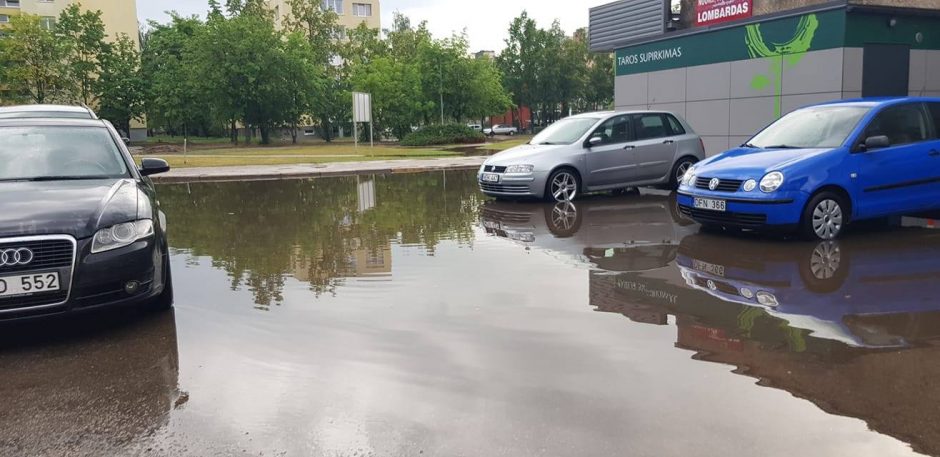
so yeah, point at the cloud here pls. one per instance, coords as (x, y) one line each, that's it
(486, 21)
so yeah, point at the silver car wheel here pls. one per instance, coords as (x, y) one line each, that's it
(564, 187)
(827, 219)
(564, 215)
(826, 259)
(682, 169)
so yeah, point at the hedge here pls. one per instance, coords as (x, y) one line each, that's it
(443, 134)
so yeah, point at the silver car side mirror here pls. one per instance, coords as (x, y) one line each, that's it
(594, 141)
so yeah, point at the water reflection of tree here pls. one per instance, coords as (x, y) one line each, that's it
(259, 232)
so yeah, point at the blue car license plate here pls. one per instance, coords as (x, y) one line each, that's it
(711, 204)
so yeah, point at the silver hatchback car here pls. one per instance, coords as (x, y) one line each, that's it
(595, 152)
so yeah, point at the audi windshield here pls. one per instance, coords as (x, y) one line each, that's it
(53, 153)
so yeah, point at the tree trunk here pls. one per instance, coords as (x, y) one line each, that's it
(265, 134)
(293, 134)
(233, 132)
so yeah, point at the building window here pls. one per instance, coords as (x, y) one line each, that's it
(362, 9)
(47, 22)
(10, 3)
(334, 5)
(4, 18)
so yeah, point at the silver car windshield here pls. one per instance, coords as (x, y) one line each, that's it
(59, 153)
(816, 127)
(565, 131)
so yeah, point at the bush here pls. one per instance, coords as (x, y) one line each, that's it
(443, 134)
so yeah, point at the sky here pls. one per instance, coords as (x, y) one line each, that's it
(486, 21)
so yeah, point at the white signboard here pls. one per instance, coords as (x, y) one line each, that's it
(362, 107)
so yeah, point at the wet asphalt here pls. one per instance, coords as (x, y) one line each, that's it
(407, 315)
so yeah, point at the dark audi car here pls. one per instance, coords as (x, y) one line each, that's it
(80, 224)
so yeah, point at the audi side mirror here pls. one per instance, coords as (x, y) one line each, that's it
(151, 166)
(877, 142)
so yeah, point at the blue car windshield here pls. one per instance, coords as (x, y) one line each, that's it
(815, 127)
(565, 131)
(50, 153)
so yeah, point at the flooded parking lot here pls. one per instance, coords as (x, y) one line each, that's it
(407, 315)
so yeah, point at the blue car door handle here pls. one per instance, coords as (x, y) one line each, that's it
(934, 153)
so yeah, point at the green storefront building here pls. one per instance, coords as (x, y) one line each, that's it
(731, 79)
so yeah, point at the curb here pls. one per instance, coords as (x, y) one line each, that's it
(249, 173)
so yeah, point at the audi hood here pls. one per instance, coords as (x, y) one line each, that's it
(78, 208)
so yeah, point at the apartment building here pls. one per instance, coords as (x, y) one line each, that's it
(119, 16)
(351, 12)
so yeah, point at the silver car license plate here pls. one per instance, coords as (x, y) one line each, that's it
(490, 177)
(711, 204)
(29, 284)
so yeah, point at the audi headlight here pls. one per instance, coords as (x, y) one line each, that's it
(520, 169)
(771, 182)
(688, 177)
(120, 235)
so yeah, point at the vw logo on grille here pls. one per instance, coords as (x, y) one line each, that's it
(713, 184)
(15, 257)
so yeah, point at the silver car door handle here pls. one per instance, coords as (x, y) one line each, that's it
(669, 142)
(629, 147)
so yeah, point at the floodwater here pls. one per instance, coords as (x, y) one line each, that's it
(407, 315)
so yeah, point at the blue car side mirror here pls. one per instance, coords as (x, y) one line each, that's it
(877, 142)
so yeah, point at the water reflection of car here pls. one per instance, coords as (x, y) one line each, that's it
(832, 288)
(625, 233)
(87, 386)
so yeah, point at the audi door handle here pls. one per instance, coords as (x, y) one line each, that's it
(934, 153)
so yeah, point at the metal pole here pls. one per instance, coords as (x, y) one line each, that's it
(355, 134)
(371, 141)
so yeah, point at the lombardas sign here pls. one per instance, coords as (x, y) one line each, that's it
(709, 12)
(774, 38)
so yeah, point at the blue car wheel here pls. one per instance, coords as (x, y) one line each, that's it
(824, 217)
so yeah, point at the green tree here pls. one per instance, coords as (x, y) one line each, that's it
(174, 100)
(81, 34)
(32, 61)
(120, 84)
(397, 102)
(520, 62)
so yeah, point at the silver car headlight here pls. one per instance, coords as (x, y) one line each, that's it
(518, 169)
(120, 235)
(771, 182)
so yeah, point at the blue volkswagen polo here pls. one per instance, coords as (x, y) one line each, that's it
(819, 168)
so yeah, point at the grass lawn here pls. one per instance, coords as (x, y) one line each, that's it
(504, 145)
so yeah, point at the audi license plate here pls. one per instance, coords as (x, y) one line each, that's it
(29, 284)
(711, 204)
(490, 177)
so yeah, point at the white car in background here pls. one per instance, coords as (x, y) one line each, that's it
(501, 129)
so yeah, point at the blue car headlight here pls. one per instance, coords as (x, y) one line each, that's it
(771, 182)
(120, 235)
(688, 177)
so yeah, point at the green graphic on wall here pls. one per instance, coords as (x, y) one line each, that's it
(788, 53)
